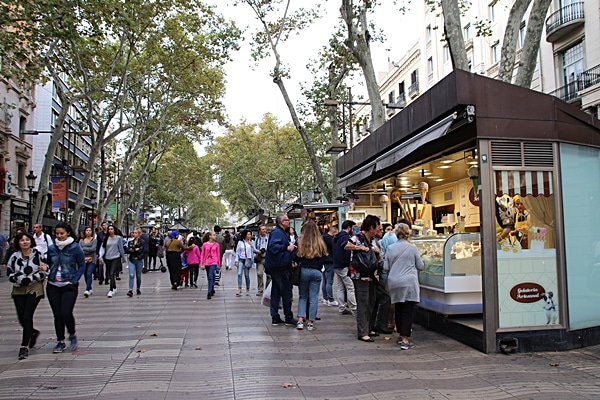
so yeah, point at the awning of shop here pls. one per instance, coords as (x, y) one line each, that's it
(525, 183)
(358, 175)
(425, 136)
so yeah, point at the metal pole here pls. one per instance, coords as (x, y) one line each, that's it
(350, 130)
(29, 205)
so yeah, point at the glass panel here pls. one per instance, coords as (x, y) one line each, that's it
(580, 170)
(526, 254)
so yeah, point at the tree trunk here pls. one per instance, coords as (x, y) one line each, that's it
(509, 43)
(333, 84)
(454, 35)
(357, 42)
(323, 186)
(535, 26)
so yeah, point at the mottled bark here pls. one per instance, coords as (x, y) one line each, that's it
(454, 35)
(535, 26)
(511, 35)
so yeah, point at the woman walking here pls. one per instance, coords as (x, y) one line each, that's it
(245, 255)
(67, 263)
(113, 255)
(229, 250)
(27, 273)
(152, 252)
(312, 254)
(193, 259)
(89, 245)
(210, 260)
(173, 248)
(401, 262)
(135, 249)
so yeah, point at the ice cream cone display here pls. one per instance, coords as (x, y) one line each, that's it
(423, 188)
(538, 238)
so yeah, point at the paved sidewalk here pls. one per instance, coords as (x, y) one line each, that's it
(169, 344)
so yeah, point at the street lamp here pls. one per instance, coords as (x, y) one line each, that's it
(93, 201)
(30, 184)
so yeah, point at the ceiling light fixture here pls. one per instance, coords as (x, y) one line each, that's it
(444, 167)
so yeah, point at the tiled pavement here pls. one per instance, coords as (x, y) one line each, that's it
(179, 345)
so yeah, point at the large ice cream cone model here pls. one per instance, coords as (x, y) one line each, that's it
(423, 188)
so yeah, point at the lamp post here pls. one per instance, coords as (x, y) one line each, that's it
(30, 185)
(93, 202)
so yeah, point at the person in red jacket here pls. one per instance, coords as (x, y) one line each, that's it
(210, 260)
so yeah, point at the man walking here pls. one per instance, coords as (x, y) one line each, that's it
(341, 262)
(260, 247)
(42, 239)
(146, 238)
(278, 261)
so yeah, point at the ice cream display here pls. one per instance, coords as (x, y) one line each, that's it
(423, 188)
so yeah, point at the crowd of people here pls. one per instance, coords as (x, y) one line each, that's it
(381, 293)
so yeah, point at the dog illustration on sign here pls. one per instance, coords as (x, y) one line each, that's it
(550, 308)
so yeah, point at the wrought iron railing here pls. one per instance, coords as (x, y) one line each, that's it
(590, 77)
(413, 88)
(566, 14)
(569, 91)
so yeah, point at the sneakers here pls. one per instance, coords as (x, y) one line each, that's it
(259, 294)
(59, 348)
(277, 322)
(110, 293)
(208, 296)
(33, 338)
(130, 293)
(238, 295)
(87, 293)
(310, 327)
(332, 303)
(345, 312)
(291, 322)
(74, 343)
(138, 292)
(325, 301)
(405, 346)
(300, 325)
(23, 353)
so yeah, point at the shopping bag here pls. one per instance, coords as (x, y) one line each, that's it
(266, 297)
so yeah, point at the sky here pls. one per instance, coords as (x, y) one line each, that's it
(250, 90)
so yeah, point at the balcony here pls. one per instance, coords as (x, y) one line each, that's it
(564, 21)
(569, 92)
(413, 89)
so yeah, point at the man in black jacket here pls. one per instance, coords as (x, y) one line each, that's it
(341, 262)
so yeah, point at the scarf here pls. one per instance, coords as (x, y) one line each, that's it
(61, 244)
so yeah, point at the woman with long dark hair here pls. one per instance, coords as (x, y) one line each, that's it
(245, 258)
(135, 249)
(67, 264)
(89, 245)
(113, 254)
(27, 273)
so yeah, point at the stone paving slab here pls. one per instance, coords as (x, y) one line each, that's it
(175, 345)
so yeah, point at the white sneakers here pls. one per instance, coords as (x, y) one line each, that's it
(88, 293)
(111, 293)
(331, 303)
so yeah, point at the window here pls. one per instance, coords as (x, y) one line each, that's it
(413, 90)
(428, 33)
(467, 32)
(470, 64)
(401, 92)
(495, 55)
(572, 69)
(492, 10)
(392, 97)
(522, 31)
(446, 53)
(430, 65)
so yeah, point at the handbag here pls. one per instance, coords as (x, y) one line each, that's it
(295, 275)
(365, 262)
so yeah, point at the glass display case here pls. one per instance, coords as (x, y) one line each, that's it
(451, 280)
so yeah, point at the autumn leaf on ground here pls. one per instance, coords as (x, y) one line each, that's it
(137, 326)
(387, 338)
(198, 348)
(142, 350)
(154, 334)
(554, 364)
(287, 385)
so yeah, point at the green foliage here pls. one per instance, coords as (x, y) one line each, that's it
(260, 165)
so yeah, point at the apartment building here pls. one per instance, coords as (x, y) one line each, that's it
(568, 65)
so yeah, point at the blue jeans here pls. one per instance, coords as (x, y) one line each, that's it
(210, 275)
(327, 286)
(135, 269)
(310, 281)
(244, 268)
(281, 289)
(89, 272)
